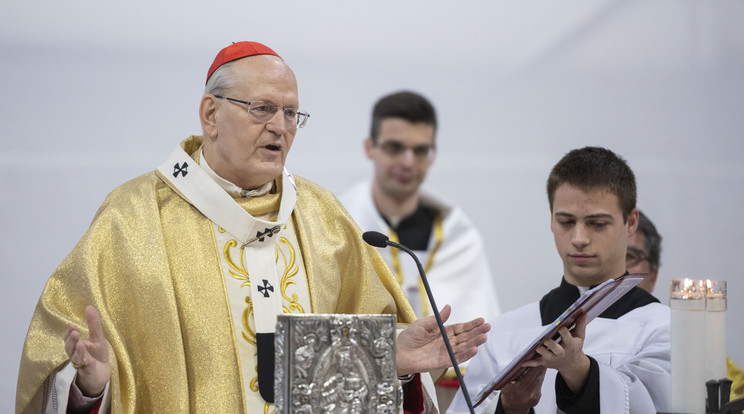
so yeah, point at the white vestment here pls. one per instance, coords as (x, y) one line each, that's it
(632, 353)
(459, 274)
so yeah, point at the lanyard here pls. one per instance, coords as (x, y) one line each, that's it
(438, 236)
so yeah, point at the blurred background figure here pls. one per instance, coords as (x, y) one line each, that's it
(402, 148)
(644, 252)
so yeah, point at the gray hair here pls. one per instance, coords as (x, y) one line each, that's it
(221, 81)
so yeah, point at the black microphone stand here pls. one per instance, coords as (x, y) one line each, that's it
(439, 322)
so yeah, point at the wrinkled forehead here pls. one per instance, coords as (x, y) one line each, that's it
(264, 75)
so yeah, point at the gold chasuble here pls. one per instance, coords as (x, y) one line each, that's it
(163, 277)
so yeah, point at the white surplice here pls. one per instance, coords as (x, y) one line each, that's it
(632, 353)
(459, 276)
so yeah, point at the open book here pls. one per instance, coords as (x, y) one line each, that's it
(593, 302)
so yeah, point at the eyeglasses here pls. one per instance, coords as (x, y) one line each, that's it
(263, 111)
(634, 256)
(396, 149)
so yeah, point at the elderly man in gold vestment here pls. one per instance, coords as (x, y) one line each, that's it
(168, 302)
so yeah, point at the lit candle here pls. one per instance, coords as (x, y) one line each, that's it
(687, 302)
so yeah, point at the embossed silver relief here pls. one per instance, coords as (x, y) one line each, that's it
(335, 364)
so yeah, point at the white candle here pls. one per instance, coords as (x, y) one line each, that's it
(715, 330)
(687, 302)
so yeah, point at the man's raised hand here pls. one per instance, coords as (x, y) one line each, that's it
(90, 357)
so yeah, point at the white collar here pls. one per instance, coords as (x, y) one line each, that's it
(231, 188)
(204, 193)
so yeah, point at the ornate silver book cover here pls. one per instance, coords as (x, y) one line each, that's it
(335, 364)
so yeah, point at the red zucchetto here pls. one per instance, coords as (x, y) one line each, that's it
(237, 51)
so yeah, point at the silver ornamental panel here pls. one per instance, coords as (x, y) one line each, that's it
(335, 364)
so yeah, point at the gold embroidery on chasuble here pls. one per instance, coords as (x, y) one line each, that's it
(293, 288)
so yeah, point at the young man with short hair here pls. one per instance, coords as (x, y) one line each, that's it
(620, 362)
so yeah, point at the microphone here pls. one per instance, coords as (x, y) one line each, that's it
(377, 239)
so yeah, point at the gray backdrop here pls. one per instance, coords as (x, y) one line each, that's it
(95, 93)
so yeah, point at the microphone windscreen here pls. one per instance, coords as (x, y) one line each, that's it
(375, 238)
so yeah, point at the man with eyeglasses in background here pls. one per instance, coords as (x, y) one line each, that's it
(182, 273)
(644, 252)
(402, 147)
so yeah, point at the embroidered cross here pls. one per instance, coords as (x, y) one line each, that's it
(267, 233)
(265, 288)
(180, 169)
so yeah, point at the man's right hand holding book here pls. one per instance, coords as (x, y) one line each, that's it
(566, 356)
